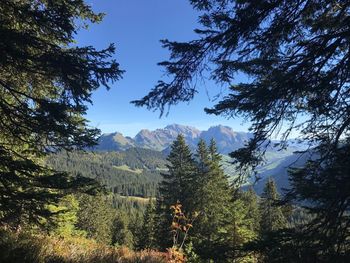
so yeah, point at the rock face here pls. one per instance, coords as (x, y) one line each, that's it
(226, 139)
(161, 139)
(114, 142)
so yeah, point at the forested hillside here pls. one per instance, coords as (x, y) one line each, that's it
(277, 192)
(137, 171)
(133, 172)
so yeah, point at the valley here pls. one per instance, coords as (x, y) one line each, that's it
(133, 166)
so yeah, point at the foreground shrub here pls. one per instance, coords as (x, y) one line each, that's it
(19, 248)
(29, 248)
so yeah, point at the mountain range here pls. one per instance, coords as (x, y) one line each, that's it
(226, 138)
(159, 141)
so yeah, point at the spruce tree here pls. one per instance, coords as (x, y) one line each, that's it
(272, 217)
(214, 203)
(241, 230)
(203, 163)
(46, 83)
(293, 58)
(245, 226)
(176, 186)
(251, 204)
(147, 234)
(65, 217)
(95, 217)
(324, 190)
(121, 234)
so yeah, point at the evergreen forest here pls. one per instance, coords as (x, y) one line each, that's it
(279, 192)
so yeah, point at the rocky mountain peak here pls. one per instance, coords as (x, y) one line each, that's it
(222, 129)
(183, 129)
(227, 140)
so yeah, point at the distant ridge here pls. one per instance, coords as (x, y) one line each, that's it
(155, 144)
(160, 139)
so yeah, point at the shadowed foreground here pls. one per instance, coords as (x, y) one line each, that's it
(26, 247)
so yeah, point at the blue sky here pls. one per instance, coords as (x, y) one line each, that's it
(136, 26)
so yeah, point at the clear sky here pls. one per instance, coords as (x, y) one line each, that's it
(136, 26)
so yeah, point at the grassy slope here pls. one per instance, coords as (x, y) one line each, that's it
(39, 248)
(125, 167)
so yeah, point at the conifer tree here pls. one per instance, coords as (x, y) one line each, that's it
(214, 203)
(203, 163)
(46, 83)
(324, 190)
(241, 231)
(121, 234)
(245, 226)
(147, 234)
(175, 187)
(251, 204)
(95, 217)
(65, 216)
(272, 217)
(295, 59)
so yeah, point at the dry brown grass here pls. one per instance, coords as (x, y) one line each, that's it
(39, 248)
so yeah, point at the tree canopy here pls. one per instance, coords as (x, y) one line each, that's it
(46, 81)
(294, 55)
(272, 217)
(293, 61)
